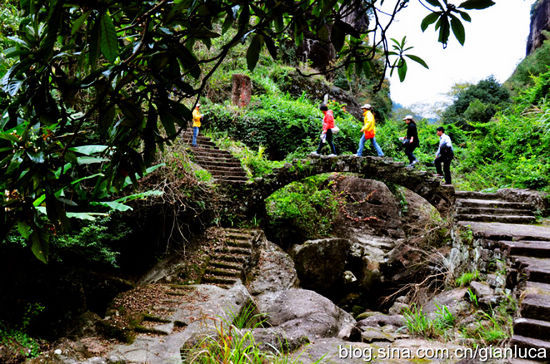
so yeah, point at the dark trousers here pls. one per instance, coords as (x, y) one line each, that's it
(329, 141)
(446, 167)
(409, 149)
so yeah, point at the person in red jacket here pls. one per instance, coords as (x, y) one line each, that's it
(326, 135)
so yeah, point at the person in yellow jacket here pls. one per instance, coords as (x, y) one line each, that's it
(197, 118)
(368, 131)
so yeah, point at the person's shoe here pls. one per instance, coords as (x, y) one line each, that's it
(332, 155)
(357, 155)
(438, 175)
(314, 154)
(414, 162)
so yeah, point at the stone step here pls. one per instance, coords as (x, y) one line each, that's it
(538, 249)
(201, 142)
(239, 243)
(224, 272)
(216, 164)
(537, 287)
(476, 195)
(234, 250)
(239, 234)
(536, 307)
(228, 257)
(509, 219)
(536, 269)
(228, 174)
(214, 150)
(527, 342)
(226, 281)
(493, 211)
(226, 264)
(215, 158)
(532, 328)
(492, 203)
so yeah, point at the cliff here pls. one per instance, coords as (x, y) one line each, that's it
(540, 20)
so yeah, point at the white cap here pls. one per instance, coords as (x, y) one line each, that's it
(408, 117)
(366, 106)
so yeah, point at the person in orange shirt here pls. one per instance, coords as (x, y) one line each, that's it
(368, 131)
(197, 118)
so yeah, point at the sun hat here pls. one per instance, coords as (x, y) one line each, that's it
(366, 106)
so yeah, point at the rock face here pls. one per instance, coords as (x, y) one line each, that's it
(272, 269)
(538, 200)
(321, 264)
(540, 20)
(302, 313)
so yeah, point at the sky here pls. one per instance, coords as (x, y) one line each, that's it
(495, 43)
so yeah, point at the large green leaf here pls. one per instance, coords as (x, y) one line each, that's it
(458, 29)
(338, 36)
(253, 52)
(476, 4)
(108, 38)
(402, 71)
(417, 60)
(431, 18)
(89, 149)
(39, 247)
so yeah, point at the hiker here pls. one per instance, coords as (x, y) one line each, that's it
(197, 118)
(411, 140)
(368, 131)
(444, 154)
(326, 135)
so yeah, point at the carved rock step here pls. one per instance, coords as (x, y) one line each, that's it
(205, 163)
(222, 281)
(232, 180)
(492, 203)
(228, 174)
(234, 250)
(536, 307)
(538, 249)
(493, 211)
(527, 342)
(509, 219)
(241, 243)
(532, 328)
(536, 269)
(476, 195)
(226, 257)
(224, 272)
(220, 263)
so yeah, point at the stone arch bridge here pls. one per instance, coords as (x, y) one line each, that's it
(425, 184)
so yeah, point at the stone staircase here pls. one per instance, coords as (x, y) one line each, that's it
(220, 163)
(231, 255)
(489, 207)
(504, 224)
(532, 257)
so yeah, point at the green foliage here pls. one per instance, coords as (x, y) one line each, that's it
(419, 324)
(281, 124)
(477, 103)
(254, 162)
(466, 278)
(531, 66)
(234, 342)
(304, 207)
(15, 340)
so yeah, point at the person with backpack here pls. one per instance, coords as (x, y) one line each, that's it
(326, 134)
(368, 131)
(444, 155)
(411, 141)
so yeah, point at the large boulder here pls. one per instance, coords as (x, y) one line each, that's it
(305, 316)
(272, 270)
(321, 264)
(370, 206)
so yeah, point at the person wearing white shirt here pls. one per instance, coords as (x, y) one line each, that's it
(444, 155)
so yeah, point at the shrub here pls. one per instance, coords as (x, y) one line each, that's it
(306, 208)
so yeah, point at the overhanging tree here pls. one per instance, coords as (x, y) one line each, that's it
(97, 86)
